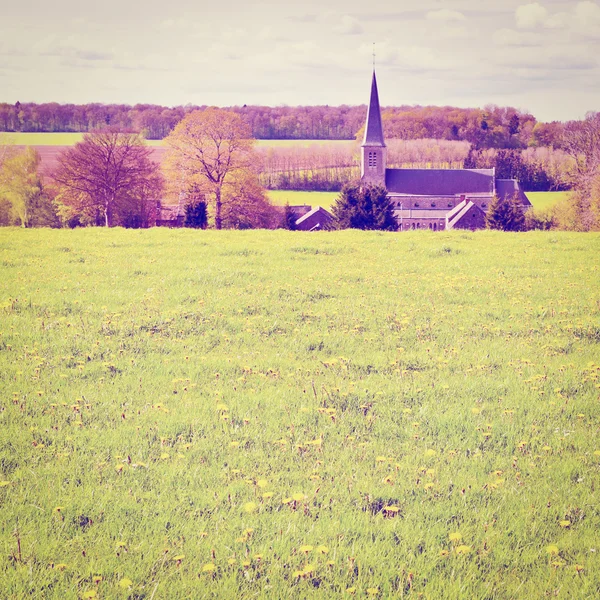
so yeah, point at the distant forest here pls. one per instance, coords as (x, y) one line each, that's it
(490, 127)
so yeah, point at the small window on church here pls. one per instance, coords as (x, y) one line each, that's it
(416, 205)
(433, 205)
(372, 159)
(449, 204)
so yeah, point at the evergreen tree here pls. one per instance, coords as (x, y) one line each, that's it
(364, 207)
(195, 214)
(289, 218)
(505, 214)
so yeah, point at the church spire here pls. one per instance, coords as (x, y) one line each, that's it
(373, 128)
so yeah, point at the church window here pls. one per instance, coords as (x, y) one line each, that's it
(449, 204)
(416, 205)
(372, 159)
(433, 205)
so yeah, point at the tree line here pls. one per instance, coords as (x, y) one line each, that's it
(109, 178)
(488, 127)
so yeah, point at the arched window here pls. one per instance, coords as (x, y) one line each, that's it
(372, 159)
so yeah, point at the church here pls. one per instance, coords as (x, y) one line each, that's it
(430, 198)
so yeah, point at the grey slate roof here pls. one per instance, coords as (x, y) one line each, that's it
(439, 182)
(454, 216)
(373, 128)
(507, 188)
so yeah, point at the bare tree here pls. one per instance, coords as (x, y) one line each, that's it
(102, 176)
(209, 148)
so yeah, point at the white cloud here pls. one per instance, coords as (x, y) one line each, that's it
(531, 15)
(445, 14)
(510, 37)
(349, 26)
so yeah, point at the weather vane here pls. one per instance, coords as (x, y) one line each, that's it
(373, 56)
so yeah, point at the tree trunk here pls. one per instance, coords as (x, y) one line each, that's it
(218, 208)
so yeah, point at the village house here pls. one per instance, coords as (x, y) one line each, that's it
(430, 198)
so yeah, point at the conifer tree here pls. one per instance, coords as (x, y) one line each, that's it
(505, 214)
(364, 207)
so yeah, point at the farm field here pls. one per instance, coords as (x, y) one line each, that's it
(545, 200)
(282, 197)
(70, 139)
(272, 414)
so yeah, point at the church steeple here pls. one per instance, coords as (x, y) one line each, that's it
(373, 128)
(373, 149)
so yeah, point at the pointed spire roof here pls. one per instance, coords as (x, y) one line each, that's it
(373, 128)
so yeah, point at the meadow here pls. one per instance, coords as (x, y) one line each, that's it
(273, 414)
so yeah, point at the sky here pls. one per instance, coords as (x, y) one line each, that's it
(538, 56)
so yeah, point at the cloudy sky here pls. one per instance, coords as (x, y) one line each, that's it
(541, 56)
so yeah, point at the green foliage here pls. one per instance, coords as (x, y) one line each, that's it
(196, 215)
(21, 190)
(364, 207)
(505, 214)
(254, 417)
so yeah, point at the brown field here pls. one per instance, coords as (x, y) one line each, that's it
(49, 156)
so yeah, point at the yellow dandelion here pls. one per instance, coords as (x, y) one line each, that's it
(444, 553)
(322, 549)
(308, 569)
(267, 495)
(306, 548)
(552, 550)
(298, 573)
(231, 561)
(250, 507)
(89, 594)
(579, 568)
(565, 523)
(209, 568)
(97, 578)
(298, 497)
(372, 591)
(262, 483)
(351, 591)
(455, 537)
(4, 483)
(125, 582)
(60, 566)
(463, 549)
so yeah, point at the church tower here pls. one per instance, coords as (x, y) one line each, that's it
(373, 152)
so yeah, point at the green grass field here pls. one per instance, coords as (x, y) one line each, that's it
(544, 200)
(202, 414)
(282, 197)
(69, 139)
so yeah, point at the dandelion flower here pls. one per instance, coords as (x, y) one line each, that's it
(322, 549)
(306, 549)
(89, 594)
(298, 497)
(455, 537)
(125, 582)
(209, 568)
(250, 507)
(372, 591)
(463, 550)
(97, 578)
(552, 550)
(351, 591)
(565, 523)
(4, 483)
(267, 495)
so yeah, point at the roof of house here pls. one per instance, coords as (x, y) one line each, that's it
(458, 212)
(325, 215)
(373, 127)
(507, 188)
(439, 182)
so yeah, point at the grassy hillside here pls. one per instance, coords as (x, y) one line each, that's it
(284, 415)
(324, 199)
(545, 200)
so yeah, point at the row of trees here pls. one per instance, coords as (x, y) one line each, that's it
(490, 127)
(110, 179)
